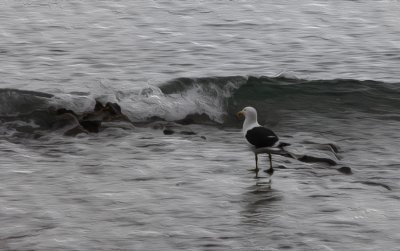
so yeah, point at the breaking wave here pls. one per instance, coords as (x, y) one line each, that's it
(210, 99)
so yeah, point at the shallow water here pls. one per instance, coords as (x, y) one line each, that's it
(139, 189)
(135, 188)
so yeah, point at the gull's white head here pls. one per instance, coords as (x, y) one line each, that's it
(249, 113)
(250, 117)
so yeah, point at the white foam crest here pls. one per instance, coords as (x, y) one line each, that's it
(77, 103)
(287, 74)
(141, 104)
(151, 101)
(85, 102)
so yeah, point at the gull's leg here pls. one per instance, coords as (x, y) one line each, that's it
(270, 171)
(256, 170)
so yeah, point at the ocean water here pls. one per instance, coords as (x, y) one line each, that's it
(319, 73)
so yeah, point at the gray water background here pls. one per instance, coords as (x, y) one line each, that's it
(138, 189)
(71, 45)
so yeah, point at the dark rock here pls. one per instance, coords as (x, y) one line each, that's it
(196, 119)
(68, 123)
(168, 131)
(65, 120)
(187, 133)
(111, 112)
(25, 129)
(113, 108)
(64, 111)
(345, 170)
(99, 106)
(312, 159)
(91, 125)
(75, 131)
(37, 135)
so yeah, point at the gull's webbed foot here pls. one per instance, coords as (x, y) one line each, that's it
(256, 170)
(270, 171)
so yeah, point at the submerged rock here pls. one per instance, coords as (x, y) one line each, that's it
(306, 149)
(169, 128)
(310, 156)
(314, 159)
(371, 183)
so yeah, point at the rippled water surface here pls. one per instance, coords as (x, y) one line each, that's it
(134, 188)
(142, 190)
(63, 45)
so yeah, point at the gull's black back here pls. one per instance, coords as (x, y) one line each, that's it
(261, 137)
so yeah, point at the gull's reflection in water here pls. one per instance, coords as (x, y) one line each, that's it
(261, 216)
(261, 202)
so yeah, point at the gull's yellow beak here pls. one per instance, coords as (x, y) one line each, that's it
(240, 115)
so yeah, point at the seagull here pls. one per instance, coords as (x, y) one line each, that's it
(258, 136)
